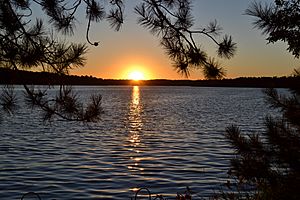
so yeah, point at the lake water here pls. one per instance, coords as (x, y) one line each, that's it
(162, 138)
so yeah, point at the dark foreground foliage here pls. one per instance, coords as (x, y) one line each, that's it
(172, 21)
(27, 44)
(279, 21)
(269, 162)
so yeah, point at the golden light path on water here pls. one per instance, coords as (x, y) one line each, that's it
(135, 121)
(136, 146)
(135, 128)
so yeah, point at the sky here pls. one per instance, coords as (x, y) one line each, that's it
(133, 48)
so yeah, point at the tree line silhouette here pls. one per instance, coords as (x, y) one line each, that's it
(46, 78)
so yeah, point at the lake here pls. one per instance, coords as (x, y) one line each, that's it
(162, 138)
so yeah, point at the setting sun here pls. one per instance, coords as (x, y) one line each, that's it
(136, 75)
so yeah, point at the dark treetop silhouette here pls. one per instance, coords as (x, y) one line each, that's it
(25, 43)
(172, 21)
(271, 162)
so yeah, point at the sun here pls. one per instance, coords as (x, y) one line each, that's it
(136, 76)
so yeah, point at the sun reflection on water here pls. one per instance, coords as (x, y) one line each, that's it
(134, 144)
(135, 98)
(135, 121)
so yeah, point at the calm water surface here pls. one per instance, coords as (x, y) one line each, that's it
(162, 138)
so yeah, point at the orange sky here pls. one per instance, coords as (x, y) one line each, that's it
(134, 48)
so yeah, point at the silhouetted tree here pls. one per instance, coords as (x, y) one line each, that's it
(279, 21)
(172, 21)
(25, 44)
(270, 161)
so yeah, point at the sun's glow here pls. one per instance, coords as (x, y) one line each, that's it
(136, 75)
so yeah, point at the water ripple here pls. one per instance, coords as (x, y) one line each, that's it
(163, 138)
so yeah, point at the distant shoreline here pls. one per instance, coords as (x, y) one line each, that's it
(8, 76)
